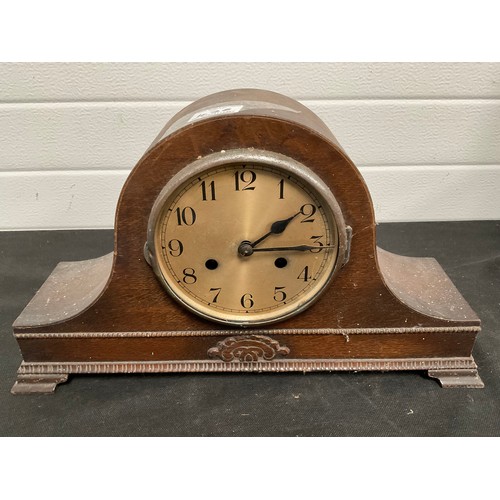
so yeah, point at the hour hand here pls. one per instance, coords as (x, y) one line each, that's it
(276, 228)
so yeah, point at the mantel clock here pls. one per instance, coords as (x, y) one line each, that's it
(245, 241)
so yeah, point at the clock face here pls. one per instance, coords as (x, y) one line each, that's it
(245, 242)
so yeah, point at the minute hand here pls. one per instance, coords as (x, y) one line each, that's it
(299, 248)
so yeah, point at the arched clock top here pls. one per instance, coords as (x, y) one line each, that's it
(267, 121)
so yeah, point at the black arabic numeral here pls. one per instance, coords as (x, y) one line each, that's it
(246, 177)
(189, 276)
(282, 189)
(247, 301)
(175, 248)
(308, 210)
(279, 294)
(316, 240)
(216, 296)
(211, 191)
(186, 216)
(304, 275)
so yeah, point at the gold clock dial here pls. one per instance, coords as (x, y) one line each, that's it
(245, 242)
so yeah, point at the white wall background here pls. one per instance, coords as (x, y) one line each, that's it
(426, 136)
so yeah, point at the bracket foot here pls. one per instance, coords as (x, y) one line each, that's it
(468, 378)
(38, 383)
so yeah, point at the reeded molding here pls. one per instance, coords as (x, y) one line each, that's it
(292, 331)
(276, 365)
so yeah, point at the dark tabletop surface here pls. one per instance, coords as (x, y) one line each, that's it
(317, 404)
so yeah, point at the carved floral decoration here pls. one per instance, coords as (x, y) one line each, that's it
(248, 348)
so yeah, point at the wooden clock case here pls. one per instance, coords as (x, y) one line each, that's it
(111, 315)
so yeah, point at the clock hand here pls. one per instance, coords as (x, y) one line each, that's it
(300, 248)
(276, 228)
(246, 249)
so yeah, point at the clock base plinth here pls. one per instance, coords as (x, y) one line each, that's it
(51, 353)
(450, 372)
(467, 378)
(44, 383)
